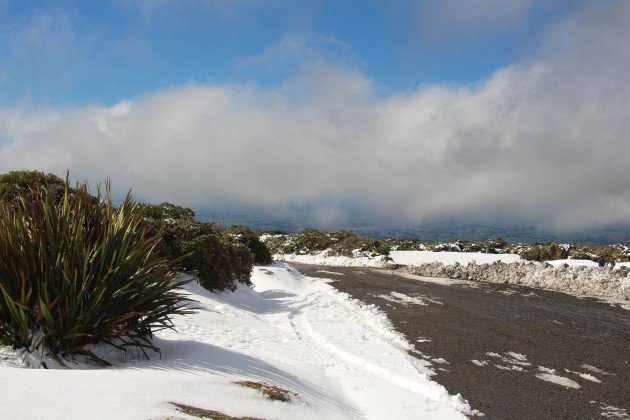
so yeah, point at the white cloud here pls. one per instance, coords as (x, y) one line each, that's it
(543, 141)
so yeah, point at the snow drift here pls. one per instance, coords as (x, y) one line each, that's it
(575, 280)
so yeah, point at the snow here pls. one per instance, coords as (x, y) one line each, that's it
(405, 300)
(556, 379)
(584, 263)
(546, 369)
(612, 412)
(444, 281)
(330, 272)
(613, 286)
(574, 263)
(398, 257)
(517, 356)
(340, 357)
(513, 361)
(510, 358)
(449, 258)
(586, 376)
(550, 375)
(516, 368)
(324, 258)
(446, 258)
(596, 370)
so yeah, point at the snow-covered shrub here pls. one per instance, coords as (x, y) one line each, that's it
(624, 252)
(251, 240)
(77, 271)
(456, 246)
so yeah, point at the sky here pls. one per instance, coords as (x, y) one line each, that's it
(396, 111)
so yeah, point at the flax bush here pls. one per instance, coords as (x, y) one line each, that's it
(77, 271)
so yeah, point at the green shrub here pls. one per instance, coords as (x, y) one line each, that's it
(619, 252)
(251, 240)
(489, 246)
(221, 259)
(580, 254)
(77, 272)
(166, 211)
(544, 252)
(219, 263)
(17, 183)
(312, 241)
(403, 244)
(242, 261)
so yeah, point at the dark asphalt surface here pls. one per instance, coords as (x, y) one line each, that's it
(466, 322)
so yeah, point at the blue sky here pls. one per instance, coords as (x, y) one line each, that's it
(487, 111)
(75, 52)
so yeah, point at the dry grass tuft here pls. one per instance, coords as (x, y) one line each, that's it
(271, 391)
(207, 414)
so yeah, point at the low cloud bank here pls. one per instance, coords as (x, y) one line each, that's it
(542, 142)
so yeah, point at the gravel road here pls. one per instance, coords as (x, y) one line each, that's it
(511, 351)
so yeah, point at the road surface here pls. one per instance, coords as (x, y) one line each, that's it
(511, 351)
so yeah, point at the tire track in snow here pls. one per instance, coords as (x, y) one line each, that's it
(415, 379)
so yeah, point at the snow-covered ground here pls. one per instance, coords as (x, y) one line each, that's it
(446, 258)
(325, 258)
(398, 257)
(449, 258)
(341, 358)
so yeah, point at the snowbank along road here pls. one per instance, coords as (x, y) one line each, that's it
(511, 351)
